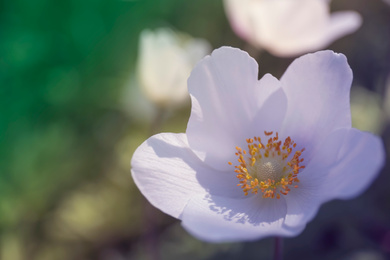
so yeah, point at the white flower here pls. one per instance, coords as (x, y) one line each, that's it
(312, 155)
(165, 61)
(289, 27)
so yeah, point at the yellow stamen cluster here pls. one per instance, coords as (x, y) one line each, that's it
(268, 168)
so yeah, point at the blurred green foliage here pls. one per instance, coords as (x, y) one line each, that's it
(66, 140)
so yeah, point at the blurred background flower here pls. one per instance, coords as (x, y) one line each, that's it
(289, 28)
(165, 62)
(67, 140)
(159, 83)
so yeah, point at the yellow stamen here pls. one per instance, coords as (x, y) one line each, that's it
(269, 169)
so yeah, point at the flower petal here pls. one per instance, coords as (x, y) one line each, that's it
(345, 165)
(317, 87)
(168, 174)
(302, 204)
(358, 163)
(273, 106)
(288, 28)
(162, 67)
(165, 62)
(196, 49)
(340, 24)
(226, 100)
(219, 219)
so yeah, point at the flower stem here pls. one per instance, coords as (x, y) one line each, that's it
(278, 249)
(150, 227)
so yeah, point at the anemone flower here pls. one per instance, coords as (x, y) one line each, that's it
(259, 157)
(289, 27)
(165, 61)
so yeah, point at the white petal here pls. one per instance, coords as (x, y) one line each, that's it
(165, 62)
(287, 28)
(317, 87)
(272, 102)
(357, 164)
(227, 99)
(219, 219)
(197, 49)
(162, 67)
(302, 203)
(340, 24)
(168, 174)
(345, 165)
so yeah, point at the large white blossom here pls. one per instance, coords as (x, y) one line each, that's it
(289, 27)
(259, 157)
(165, 61)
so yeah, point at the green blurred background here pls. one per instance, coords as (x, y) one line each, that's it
(67, 135)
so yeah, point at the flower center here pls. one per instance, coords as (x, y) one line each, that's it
(271, 168)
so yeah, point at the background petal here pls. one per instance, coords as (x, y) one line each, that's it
(168, 174)
(162, 66)
(226, 100)
(219, 219)
(288, 28)
(165, 62)
(340, 24)
(317, 87)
